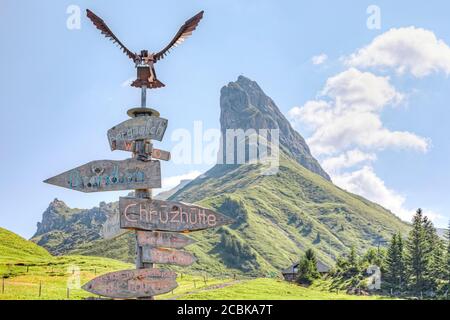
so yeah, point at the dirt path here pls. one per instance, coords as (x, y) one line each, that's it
(212, 287)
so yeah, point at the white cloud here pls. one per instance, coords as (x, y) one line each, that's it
(366, 183)
(171, 182)
(413, 50)
(345, 118)
(361, 90)
(348, 116)
(319, 59)
(348, 159)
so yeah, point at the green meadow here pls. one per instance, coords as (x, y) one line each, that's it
(29, 272)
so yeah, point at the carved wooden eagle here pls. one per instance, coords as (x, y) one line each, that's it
(146, 76)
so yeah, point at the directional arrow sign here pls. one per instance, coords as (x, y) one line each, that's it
(162, 239)
(111, 228)
(128, 284)
(160, 154)
(140, 128)
(167, 256)
(109, 175)
(158, 215)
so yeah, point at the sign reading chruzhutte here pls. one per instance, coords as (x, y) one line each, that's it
(159, 215)
(122, 136)
(110, 175)
(129, 284)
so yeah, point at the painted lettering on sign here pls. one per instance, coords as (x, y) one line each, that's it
(154, 215)
(121, 136)
(167, 256)
(162, 239)
(109, 175)
(133, 283)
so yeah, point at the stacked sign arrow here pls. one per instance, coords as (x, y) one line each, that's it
(158, 224)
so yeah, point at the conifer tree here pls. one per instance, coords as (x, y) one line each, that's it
(447, 267)
(395, 264)
(307, 268)
(435, 250)
(416, 257)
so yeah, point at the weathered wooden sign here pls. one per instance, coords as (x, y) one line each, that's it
(128, 284)
(167, 256)
(121, 137)
(160, 154)
(109, 175)
(111, 228)
(159, 215)
(162, 239)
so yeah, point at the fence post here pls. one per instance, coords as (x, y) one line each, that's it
(3, 284)
(40, 288)
(68, 293)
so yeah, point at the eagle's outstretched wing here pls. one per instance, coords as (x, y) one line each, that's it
(185, 31)
(101, 25)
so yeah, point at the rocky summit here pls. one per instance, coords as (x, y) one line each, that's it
(244, 105)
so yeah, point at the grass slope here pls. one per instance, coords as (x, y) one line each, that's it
(31, 273)
(15, 250)
(271, 289)
(280, 216)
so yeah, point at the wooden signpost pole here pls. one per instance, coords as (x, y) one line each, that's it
(139, 152)
(158, 225)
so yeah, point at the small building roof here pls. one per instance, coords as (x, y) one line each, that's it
(321, 267)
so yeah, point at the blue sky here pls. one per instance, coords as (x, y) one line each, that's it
(62, 89)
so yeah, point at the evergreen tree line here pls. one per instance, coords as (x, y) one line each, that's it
(418, 265)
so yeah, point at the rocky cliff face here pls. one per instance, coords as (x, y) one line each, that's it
(63, 228)
(244, 105)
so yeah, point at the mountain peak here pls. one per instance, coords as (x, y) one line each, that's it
(57, 205)
(244, 105)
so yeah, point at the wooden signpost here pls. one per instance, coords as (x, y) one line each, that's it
(140, 128)
(109, 175)
(162, 239)
(145, 214)
(167, 256)
(128, 284)
(160, 154)
(142, 173)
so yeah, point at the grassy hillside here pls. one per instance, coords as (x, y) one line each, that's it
(31, 273)
(271, 289)
(15, 250)
(280, 216)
